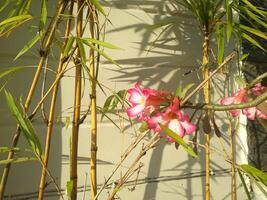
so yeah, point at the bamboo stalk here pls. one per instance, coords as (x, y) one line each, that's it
(77, 107)
(206, 90)
(50, 32)
(93, 169)
(52, 111)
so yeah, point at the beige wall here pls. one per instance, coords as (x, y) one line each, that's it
(167, 173)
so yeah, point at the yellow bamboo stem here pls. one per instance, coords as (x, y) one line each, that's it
(77, 107)
(233, 167)
(206, 90)
(52, 112)
(93, 170)
(50, 32)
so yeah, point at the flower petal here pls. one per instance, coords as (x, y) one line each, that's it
(189, 127)
(134, 111)
(227, 101)
(176, 127)
(250, 112)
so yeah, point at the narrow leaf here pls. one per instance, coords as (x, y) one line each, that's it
(9, 71)
(244, 184)
(220, 42)
(186, 89)
(179, 140)
(99, 7)
(254, 31)
(28, 46)
(101, 43)
(81, 50)
(68, 46)
(25, 125)
(7, 149)
(15, 19)
(43, 16)
(252, 41)
(229, 25)
(17, 160)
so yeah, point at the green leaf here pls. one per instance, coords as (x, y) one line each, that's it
(244, 56)
(182, 91)
(98, 6)
(244, 184)
(9, 71)
(69, 188)
(43, 16)
(68, 46)
(143, 127)
(255, 9)
(4, 5)
(15, 19)
(25, 125)
(101, 43)
(81, 50)
(254, 17)
(102, 53)
(252, 41)
(229, 25)
(257, 174)
(220, 42)
(179, 140)
(254, 31)
(7, 149)
(28, 46)
(17, 160)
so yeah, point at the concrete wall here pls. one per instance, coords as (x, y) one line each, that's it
(167, 173)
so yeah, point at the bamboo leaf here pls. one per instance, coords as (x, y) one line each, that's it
(102, 53)
(101, 43)
(179, 140)
(9, 71)
(43, 16)
(69, 188)
(7, 149)
(25, 125)
(252, 41)
(257, 174)
(244, 184)
(17, 160)
(28, 46)
(81, 50)
(98, 6)
(68, 46)
(244, 56)
(220, 42)
(15, 19)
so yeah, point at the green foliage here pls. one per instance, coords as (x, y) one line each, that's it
(43, 16)
(7, 149)
(244, 183)
(179, 140)
(182, 91)
(17, 160)
(25, 125)
(69, 187)
(98, 6)
(256, 176)
(28, 46)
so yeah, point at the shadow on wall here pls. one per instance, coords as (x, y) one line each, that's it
(169, 56)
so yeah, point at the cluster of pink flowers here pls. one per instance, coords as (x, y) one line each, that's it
(159, 107)
(242, 96)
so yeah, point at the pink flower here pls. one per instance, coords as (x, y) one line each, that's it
(144, 101)
(172, 118)
(241, 96)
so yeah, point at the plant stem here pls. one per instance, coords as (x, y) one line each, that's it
(77, 106)
(50, 32)
(233, 172)
(52, 111)
(206, 88)
(93, 169)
